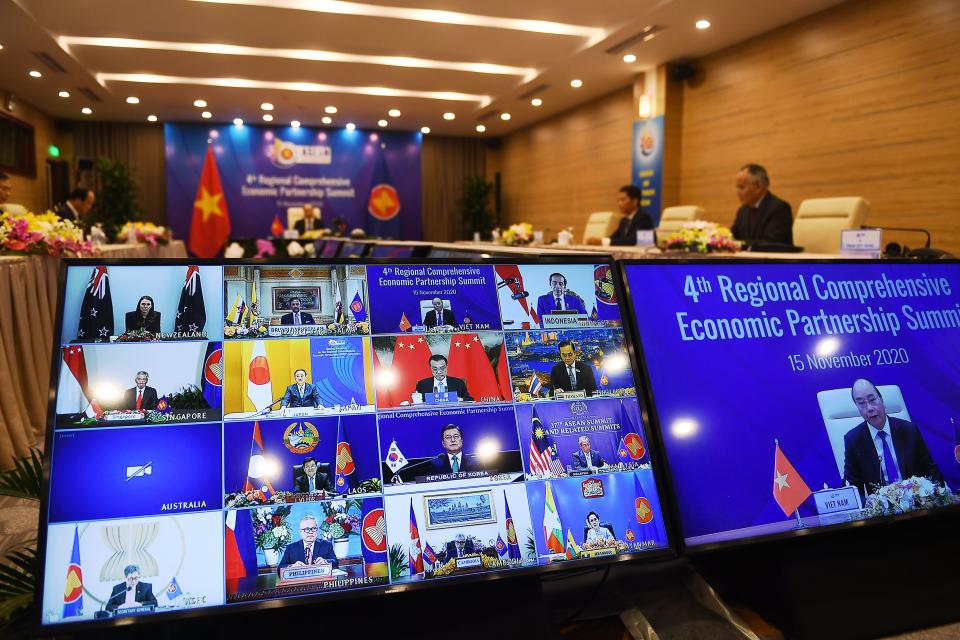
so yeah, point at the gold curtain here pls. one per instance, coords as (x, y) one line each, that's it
(445, 163)
(140, 147)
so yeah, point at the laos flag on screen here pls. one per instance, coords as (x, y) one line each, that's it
(135, 471)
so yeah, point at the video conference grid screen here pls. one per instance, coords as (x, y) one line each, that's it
(268, 431)
(802, 395)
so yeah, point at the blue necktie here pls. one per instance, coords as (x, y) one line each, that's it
(889, 467)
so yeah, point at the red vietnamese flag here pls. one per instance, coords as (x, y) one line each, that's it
(503, 374)
(410, 363)
(404, 323)
(789, 489)
(468, 361)
(276, 228)
(210, 226)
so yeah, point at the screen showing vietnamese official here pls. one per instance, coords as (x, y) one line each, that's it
(269, 431)
(792, 396)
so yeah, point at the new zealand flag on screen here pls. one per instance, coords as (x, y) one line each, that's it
(191, 313)
(96, 310)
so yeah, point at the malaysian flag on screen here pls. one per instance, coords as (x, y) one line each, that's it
(542, 462)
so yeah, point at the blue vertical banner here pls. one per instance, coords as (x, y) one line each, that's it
(370, 179)
(647, 170)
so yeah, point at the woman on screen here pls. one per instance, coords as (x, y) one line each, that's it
(143, 317)
(595, 531)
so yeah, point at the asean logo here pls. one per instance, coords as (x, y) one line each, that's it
(630, 535)
(603, 284)
(646, 142)
(373, 531)
(213, 368)
(634, 446)
(282, 154)
(301, 437)
(384, 203)
(644, 511)
(356, 306)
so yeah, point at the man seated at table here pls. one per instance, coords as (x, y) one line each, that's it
(301, 393)
(308, 550)
(571, 375)
(312, 479)
(296, 316)
(452, 459)
(633, 220)
(762, 216)
(131, 592)
(460, 546)
(140, 396)
(441, 382)
(559, 299)
(439, 316)
(311, 220)
(586, 457)
(78, 205)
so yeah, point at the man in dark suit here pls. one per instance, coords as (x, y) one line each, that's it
(441, 382)
(559, 298)
(131, 592)
(296, 316)
(762, 216)
(310, 222)
(570, 375)
(140, 396)
(633, 220)
(78, 205)
(881, 449)
(460, 546)
(453, 459)
(312, 479)
(301, 393)
(586, 457)
(308, 550)
(439, 316)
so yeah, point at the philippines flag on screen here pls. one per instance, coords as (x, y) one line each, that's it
(73, 590)
(240, 551)
(416, 556)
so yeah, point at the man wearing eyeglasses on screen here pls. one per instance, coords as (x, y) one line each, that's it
(882, 449)
(308, 550)
(131, 592)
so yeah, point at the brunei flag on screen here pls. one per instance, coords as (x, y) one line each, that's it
(210, 226)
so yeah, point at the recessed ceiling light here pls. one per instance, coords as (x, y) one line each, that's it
(86, 111)
(576, 84)
(703, 24)
(649, 37)
(1, 47)
(133, 100)
(394, 113)
(424, 130)
(64, 94)
(382, 123)
(238, 122)
(481, 128)
(351, 126)
(267, 117)
(200, 104)
(331, 109)
(295, 124)
(629, 58)
(504, 116)
(35, 74)
(206, 114)
(267, 106)
(151, 118)
(326, 119)
(449, 116)
(536, 102)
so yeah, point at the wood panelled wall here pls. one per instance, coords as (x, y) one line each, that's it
(556, 172)
(32, 192)
(862, 99)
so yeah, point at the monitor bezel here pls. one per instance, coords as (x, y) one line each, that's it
(667, 553)
(650, 401)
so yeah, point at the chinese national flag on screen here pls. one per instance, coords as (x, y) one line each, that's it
(468, 361)
(210, 226)
(789, 489)
(410, 363)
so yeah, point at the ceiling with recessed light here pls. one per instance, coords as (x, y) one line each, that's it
(482, 62)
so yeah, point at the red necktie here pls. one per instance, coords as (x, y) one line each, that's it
(139, 398)
(309, 554)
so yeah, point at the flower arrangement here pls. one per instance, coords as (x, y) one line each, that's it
(137, 335)
(240, 331)
(270, 530)
(517, 234)
(144, 233)
(255, 498)
(41, 233)
(908, 495)
(700, 236)
(338, 521)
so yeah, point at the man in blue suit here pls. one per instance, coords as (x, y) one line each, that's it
(301, 394)
(308, 550)
(881, 449)
(586, 457)
(559, 299)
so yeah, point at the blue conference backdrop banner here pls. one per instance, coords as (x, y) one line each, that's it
(741, 355)
(369, 179)
(647, 168)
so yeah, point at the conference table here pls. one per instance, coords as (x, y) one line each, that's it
(631, 252)
(28, 302)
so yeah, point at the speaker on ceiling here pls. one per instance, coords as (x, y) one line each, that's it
(682, 70)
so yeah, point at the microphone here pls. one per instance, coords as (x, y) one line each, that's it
(521, 295)
(266, 409)
(129, 588)
(907, 229)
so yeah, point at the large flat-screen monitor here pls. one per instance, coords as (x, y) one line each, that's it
(225, 434)
(797, 395)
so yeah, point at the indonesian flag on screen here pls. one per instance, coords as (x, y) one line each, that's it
(258, 378)
(789, 489)
(73, 394)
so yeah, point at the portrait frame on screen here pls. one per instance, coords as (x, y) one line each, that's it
(660, 553)
(839, 525)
